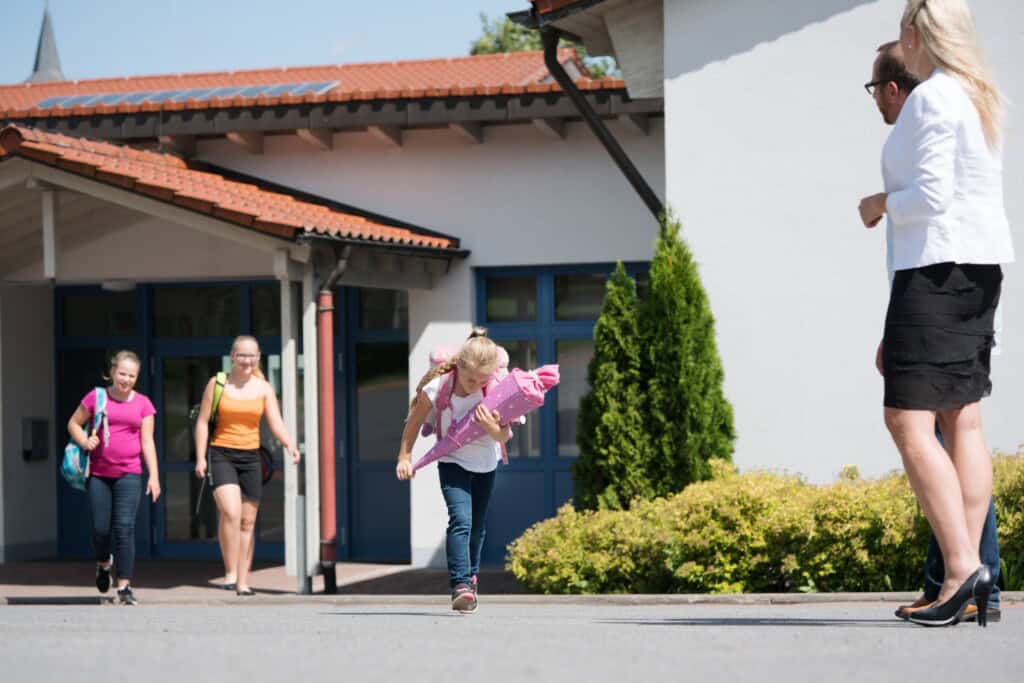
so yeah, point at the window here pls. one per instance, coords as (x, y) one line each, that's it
(186, 312)
(511, 299)
(547, 315)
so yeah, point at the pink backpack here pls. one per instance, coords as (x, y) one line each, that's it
(443, 400)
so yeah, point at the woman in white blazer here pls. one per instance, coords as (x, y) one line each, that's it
(943, 197)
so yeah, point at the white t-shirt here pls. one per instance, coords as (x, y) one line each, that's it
(481, 455)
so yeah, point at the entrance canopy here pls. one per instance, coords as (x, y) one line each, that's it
(60, 195)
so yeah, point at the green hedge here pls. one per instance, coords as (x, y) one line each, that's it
(755, 532)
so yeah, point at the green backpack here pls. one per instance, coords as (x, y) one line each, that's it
(266, 459)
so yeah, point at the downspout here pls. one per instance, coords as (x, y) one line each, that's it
(325, 347)
(551, 36)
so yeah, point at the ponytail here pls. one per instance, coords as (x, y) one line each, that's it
(442, 369)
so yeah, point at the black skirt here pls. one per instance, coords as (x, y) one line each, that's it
(938, 336)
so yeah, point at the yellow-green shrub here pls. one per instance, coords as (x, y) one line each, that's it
(755, 532)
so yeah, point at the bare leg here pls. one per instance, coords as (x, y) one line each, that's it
(247, 541)
(229, 504)
(973, 464)
(937, 487)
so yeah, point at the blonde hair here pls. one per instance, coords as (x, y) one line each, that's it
(478, 353)
(117, 359)
(947, 33)
(257, 372)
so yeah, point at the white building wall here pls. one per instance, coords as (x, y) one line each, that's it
(771, 142)
(519, 198)
(28, 491)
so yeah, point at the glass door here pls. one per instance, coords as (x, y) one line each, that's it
(184, 522)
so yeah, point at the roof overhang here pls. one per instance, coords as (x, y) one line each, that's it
(385, 117)
(631, 31)
(113, 187)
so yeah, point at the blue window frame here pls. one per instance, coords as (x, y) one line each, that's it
(91, 322)
(540, 314)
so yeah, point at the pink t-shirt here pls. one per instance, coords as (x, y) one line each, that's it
(122, 454)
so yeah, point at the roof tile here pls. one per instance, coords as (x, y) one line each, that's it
(484, 74)
(169, 179)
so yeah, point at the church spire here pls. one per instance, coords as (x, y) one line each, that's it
(47, 66)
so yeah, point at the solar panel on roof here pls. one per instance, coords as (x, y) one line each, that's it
(199, 94)
(162, 96)
(51, 102)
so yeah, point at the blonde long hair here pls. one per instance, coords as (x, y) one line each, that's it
(478, 353)
(948, 34)
(257, 372)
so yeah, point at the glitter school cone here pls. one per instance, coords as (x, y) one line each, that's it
(516, 395)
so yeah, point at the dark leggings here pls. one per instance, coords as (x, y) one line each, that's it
(115, 503)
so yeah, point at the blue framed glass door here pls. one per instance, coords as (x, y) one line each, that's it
(182, 333)
(372, 400)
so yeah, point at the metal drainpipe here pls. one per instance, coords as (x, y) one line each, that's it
(551, 37)
(325, 345)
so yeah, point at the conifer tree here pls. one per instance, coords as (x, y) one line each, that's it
(687, 415)
(614, 446)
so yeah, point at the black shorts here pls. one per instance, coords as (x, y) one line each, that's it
(232, 466)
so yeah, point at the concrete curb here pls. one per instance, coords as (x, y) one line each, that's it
(1008, 597)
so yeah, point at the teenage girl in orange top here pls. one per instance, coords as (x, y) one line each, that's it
(234, 460)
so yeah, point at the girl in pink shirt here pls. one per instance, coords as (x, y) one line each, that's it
(116, 451)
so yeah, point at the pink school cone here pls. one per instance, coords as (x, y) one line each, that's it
(516, 395)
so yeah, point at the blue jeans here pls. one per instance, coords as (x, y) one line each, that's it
(115, 503)
(935, 570)
(467, 495)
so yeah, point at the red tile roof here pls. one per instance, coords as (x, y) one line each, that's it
(548, 6)
(169, 179)
(500, 74)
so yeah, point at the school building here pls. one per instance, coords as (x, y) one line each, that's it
(167, 214)
(447, 193)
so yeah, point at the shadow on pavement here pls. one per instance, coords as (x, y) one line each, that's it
(59, 600)
(431, 582)
(766, 621)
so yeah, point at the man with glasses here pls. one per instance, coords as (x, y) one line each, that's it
(890, 86)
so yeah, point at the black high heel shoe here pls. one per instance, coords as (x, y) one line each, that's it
(977, 587)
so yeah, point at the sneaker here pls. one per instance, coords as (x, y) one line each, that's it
(126, 597)
(474, 583)
(103, 576)
(464, 599)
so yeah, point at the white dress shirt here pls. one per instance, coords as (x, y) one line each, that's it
(944, 182)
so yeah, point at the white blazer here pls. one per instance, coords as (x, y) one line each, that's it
(944, 183)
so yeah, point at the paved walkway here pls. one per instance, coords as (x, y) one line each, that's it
(534, 641)
(170, 582)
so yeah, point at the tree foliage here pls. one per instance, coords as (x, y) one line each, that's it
(501, 34)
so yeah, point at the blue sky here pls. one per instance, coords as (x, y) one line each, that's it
(103, 38)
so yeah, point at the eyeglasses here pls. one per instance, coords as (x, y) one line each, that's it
(870, 87)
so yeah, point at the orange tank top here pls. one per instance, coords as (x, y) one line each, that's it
(238, 423)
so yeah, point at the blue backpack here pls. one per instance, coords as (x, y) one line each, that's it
(75, 468)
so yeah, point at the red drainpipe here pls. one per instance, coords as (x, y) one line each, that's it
(325, 376)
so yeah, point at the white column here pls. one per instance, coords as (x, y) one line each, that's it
(311, 417)
(50, 205)
(290, 412)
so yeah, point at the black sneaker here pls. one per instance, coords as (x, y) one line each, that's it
(464, 599)
(126, 597)
(103, 577)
